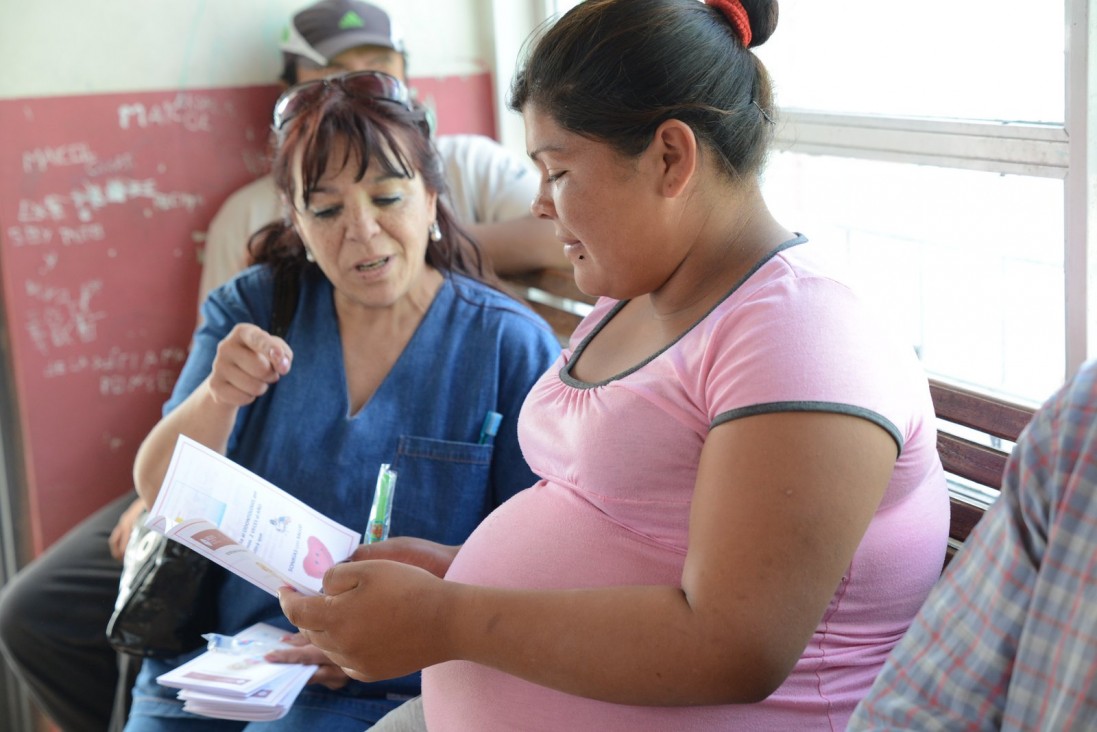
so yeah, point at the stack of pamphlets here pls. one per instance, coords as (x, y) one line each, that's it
(232, 681)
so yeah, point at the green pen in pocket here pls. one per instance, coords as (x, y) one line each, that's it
(380, 513)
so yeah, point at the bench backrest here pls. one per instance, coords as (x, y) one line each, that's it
(975, 433)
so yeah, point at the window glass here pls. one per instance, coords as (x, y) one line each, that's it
(967, 265)
(559, 7)
(969, 59)
(974, 59)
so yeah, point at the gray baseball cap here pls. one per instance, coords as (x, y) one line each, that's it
(325, 29)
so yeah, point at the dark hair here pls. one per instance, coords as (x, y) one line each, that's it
(614, 70)
(377, 131)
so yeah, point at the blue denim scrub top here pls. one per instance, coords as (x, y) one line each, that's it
(476, 350)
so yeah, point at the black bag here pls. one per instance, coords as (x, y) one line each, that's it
(160, 611)
(164, 594)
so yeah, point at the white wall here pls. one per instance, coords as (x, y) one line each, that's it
(70, 47)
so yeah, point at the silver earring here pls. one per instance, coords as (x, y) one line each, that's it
(435, 232)
(308, 255)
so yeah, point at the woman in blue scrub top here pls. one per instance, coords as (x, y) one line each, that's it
(398, 349)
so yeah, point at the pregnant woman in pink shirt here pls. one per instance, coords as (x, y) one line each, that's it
(740, 505)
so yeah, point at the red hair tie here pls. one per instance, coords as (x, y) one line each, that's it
(736, 14)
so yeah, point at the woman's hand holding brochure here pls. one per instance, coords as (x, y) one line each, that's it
(355, 637)
(428, 555)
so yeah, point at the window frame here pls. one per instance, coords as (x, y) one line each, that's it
(1063, 151)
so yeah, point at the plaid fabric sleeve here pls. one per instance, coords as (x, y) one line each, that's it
(1007, 640)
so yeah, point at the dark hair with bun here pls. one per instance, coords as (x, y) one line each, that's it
(614, 70)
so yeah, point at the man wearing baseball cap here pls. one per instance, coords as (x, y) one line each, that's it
(490, 188)
(69, 664)
(319, 34)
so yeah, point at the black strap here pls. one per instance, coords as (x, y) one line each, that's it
(286, 285)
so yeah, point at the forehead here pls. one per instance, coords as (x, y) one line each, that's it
(360, 58)
(543, 134)
(372, 55)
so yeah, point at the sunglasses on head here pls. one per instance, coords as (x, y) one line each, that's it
(359, 84)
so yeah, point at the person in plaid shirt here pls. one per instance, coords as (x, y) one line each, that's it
(1008, 638)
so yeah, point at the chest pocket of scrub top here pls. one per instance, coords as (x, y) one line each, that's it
(442, 488)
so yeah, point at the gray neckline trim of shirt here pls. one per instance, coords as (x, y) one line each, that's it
(565, 370)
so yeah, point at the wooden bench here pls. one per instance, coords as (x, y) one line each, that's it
(975, 431)
(975, 434)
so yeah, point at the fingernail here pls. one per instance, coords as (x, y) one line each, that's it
(279, 358)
